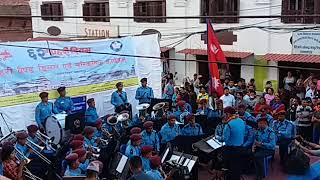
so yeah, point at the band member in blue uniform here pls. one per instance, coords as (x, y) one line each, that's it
(98, 133)
(264, 110)
(142, 117)
(73, 165)
(155, 164)
(192, 128)
(44, 109)
(134, 148)
(233, 136)
(181, 112)
(218, 134)
(91, 113)
(263, 147)
(150, 137)
(144, 94)
(32, 131)
(21, 144)
(244, 115)
(119, 99)
(248, 137)
(83, 160)
(89, 140)
(146, 153)
(203, 108)
(63, 103)
(285, 132)
(170, 130)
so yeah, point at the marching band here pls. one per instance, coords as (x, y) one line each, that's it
(139, 138)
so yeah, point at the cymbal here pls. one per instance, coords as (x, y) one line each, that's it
(158, 106)
(142, 106)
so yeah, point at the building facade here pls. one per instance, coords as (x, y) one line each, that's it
(246, 40)
(15, 29)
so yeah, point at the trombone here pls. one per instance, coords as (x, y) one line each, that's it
(32, 145)
(21, 157)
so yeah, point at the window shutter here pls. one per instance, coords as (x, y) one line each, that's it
(107, 13)
(85, 11)
(92, 12)
(164, 11)
(285, 8)
(136, 12)
(44, 11)
(317, 11)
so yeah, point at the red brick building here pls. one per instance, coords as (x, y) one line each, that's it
(15, 29)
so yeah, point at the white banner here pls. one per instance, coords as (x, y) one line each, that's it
(306, 42)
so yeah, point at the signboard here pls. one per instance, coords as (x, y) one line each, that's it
(99, 31)
(306, 42)
(84, 67)
(79, 103)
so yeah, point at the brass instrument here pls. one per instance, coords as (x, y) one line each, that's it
(21, 157)
(31, 145)
(124, 119)
(112, 120)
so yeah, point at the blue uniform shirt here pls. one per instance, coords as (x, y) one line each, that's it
(267, 137)
(1, 169)
(145, 164)
(203, 111)
(119, 99)
(248, 117)
(219, 131)
(91, 115)
(98, 133)
(23, 149)
(132, 151)
(181, 115)
(43, 111)
(155, 174)
(248, 137)
(268, 116)
(83, 166)
(284, 129)
(151, 139)
(64, 104)
(169, 133)
(189, 130)
(215, 114)
(233, 132)
(89, 142)
(144, 94)
(73, 172)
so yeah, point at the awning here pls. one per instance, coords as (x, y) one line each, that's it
(165, 49)
(229, 54)
(292, 58)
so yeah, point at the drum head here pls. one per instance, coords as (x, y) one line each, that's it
(54, 129)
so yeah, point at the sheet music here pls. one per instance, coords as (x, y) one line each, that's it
(190, 165)
(174, 158)
(122, 164)
(165, 155)
(214, 143)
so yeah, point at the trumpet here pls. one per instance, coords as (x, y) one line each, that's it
(106, 142)
(31, 145)
(21, 157)
(44, 137)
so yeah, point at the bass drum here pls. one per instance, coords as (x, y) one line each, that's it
(55, 128)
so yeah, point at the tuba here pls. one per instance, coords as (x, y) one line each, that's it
(112, 120)
(124, 119)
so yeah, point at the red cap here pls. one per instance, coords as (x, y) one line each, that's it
(72, 157)
(146, 149)
(181, 103)
(88, 130)
(135, 137)
(80, 152)
(99, 122)
(229, 110)
(78, 137)
(155, 161)
(76, 144)
(22, 135)
(135, 130)
(189, 117)
(281, 112)
(148, 124)
(32, 128)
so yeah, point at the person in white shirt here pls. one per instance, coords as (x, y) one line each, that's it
(228, 99)
(311, 90)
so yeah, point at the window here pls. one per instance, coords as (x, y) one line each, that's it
(150, 8)
(52, 9)
(96, 8)
(301, 7)
(220, 8)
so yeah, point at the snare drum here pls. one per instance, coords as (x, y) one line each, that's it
(54, 126)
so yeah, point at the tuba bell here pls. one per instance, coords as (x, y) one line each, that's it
(112, 120)
(124, 119)
(158, 106)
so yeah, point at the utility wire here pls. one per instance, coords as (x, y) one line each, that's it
(172, 59)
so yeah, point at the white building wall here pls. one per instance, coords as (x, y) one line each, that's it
(254, 40)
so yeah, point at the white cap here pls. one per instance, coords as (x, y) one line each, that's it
(93, 166)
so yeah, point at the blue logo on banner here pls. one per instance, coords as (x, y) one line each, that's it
(80, 104)
(116, 46)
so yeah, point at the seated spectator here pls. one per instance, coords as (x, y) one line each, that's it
(228, 99)
(269, 96)
(203, 94)
(239, 99)
(277, 105)
(262, 102)
(252, 101)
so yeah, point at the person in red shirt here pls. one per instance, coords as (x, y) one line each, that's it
(11, 168)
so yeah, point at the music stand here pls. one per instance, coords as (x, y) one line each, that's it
(75, 122)
(120, 166)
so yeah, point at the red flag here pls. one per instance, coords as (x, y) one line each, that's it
(215, 54)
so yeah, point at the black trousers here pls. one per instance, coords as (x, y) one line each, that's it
(305, 132)
(283, 149)
(260, 161)
(232, 159)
